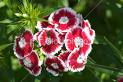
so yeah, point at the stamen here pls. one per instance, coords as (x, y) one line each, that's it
(80, 59)
(78, 42)
(22, 43)
(48, 41)
(63, 20)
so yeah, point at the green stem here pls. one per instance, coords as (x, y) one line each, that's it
(106, 69)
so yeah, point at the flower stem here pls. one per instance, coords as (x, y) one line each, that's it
(106, 69)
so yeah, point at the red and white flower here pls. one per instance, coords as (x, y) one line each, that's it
(76, 38)
(23, 44)
(88, 30)
(54, 65)
(48, 40)
(76, 60)
(63, 19)
(32, 63)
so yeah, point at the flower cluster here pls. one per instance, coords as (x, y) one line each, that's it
(65, 39)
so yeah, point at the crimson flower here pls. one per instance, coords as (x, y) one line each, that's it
(23, 44)
(63, 19)
(32, 63)
(76, 38)
(48, 40)
(76, 60)
(54, 65)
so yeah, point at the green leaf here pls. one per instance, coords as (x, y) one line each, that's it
(37, 80)
(118, 54)
(2, 47)
(6, 21)
(105, 69)
(2, 4)
(99, 40)
(65, 3)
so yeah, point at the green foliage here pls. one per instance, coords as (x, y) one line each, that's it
(105, 63)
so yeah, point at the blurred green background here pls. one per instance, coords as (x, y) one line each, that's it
(105, 63)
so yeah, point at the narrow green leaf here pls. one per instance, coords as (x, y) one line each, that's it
(118, 54)
(105, 69)
(6, 21)
(99, 40)
(2, 47)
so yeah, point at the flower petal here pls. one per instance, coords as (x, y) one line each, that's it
(36, 35)
(44, 25)
(88, 30)
(64, 56)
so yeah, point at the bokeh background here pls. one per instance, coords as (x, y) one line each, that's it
(105, 63)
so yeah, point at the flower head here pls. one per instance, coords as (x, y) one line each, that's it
(63, 19)
(23, 44)
(54, 65)
(32, 63)
(76, 61)
(76, 38)
(48, 40)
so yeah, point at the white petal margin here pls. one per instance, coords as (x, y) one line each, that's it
(39, 26)
(50, 19)
(88, 51)
(93, 37)
(86, 30)
(77, 69)
(65, 40)
(54, 73)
